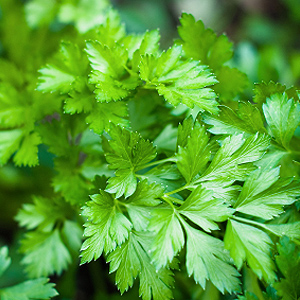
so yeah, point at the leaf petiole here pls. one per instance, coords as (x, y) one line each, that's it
(173, 199)
(157, 162)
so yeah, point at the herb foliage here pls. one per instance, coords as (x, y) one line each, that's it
(158, 162)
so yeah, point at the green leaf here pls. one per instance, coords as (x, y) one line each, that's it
(288, 262)
(283, 117)
(27, 154)
(184, 131)
(103, 58)
(110, 31)
(55, 79)
(203, 44)
(30, 289)
(231, 83)
(111, 79)
(129, 149)
(166, 140)
(264, 90)
(13, 110)
(126, 262)
(5, 260)
(54, 135)
(223, 189)
(106, 227)
(204, 210)
(80, 99)
(146, 194)
(179, 82)
(113, 112)
(72, 235)
(165, 174)
(291, 230)
(112, 89)
(75, 190)
(67, 67)
(141, 202)
(131, 260)
(231, 160)
(124, 183)
(169, 238)
(43, 214)
(264, 194)
(39, 13)
(207, 259)
(149, 43)
(9, 143)
(247, 243)
(192, 159)
(84, 14)
(45, 253)
(247, 119)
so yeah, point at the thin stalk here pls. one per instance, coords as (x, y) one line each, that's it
(261, 225)
(149, 86)
(186, 186)
(168, 201)
(173, 199)
(248, 221)
(157, 162)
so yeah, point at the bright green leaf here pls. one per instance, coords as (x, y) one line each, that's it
(193, 158)
(30, 289)
(43, 214)
(27, 154)
(204, 210)
(247, 119)
(106, 227)
(124, 183)
(247, 243)
(105, 113)
(203, 44)
(288, 262)
(68, 65)
(231, 160)
(231, 83)
(130, 150)
(84, 14)
(207, 259)
(283, 117)
(169, 238)
(264, 194)
(9, 143)
(179, 82)
(45, 253)
(265, 90)
(131, 260)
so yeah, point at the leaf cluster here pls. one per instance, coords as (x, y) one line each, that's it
(154, 158)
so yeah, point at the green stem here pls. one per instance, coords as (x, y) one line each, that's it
(168, 201)
(149, 86)
(186, 186)
(248, 221)
(119, 205)
(154, 163)
(261, 226)
(173, 199)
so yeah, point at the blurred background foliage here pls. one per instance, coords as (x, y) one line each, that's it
(266, 42)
